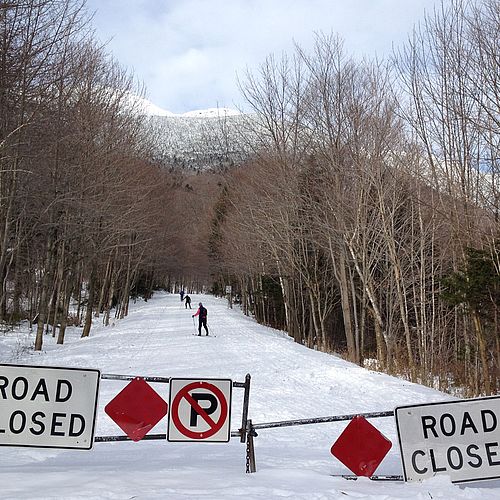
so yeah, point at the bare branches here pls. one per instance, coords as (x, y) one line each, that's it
(367, 192)
(91, 200)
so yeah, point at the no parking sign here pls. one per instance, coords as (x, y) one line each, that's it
(200, 410)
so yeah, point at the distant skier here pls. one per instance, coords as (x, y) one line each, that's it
(202, 320)
(181, 293)
(187, 301)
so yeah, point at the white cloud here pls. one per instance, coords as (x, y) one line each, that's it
(189, 51)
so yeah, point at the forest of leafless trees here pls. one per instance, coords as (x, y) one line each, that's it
(366, 221)
(86, 218)
(369, 222)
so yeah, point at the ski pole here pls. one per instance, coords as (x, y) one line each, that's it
(210, 331)
(194, 326)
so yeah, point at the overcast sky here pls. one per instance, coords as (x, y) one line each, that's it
(188, 53)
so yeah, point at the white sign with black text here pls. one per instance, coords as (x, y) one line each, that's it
(48, 407)
(458, 438)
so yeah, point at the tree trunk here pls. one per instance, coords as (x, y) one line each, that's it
(44, 294)
(340, 272)
(482, 352)
(90, 302)
(66, 297)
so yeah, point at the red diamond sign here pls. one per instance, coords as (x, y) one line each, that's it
(361, 447)
(137, 409)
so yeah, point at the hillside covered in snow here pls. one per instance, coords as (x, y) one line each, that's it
(202, 139)
(199, 140)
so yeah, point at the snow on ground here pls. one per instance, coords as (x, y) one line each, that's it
(289, 381)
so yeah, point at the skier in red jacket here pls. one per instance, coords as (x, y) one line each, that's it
(202, 318)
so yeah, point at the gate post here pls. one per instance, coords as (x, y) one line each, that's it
(246, 400)
(250, 457)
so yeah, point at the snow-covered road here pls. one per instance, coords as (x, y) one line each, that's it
(289, 381)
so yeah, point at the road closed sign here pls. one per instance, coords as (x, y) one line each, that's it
(47, 407)
(200, 410)
(458, 438)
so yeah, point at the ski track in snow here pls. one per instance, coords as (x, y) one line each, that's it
(289, 381)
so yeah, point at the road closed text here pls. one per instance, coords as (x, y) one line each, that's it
(47, 407)
(460, 439)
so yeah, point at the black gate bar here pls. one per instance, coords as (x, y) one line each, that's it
(106, 439)
(376, 477)
(111, 376)
(319, 420)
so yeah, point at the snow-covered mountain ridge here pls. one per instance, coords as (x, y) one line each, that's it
(200, 139)
(151, 109)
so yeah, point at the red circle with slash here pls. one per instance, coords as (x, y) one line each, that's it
(214, 426)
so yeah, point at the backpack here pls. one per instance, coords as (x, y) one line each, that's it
(203, 312)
